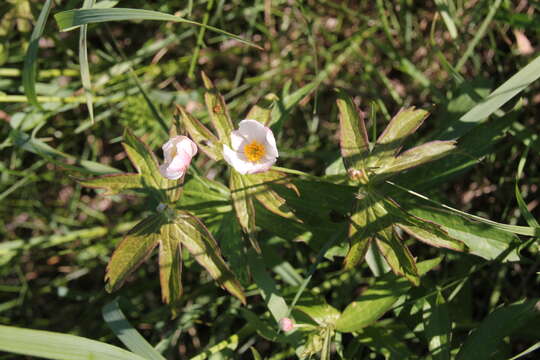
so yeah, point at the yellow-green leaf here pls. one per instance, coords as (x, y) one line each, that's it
(134, 249)
(359, 234)
(203, 247)
(353, 136)
(243, 207)
(403, 124)
(204, 138)
(217, 109)
(416, 156)
(170, 264)
(114, 183)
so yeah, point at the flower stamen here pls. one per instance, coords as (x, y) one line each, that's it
(254, 151)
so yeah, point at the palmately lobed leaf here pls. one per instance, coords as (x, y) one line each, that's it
(170, 264)
(262, 111)
(353, 141)
(217, 109)
(114, 183)
(143, 159)
(204, 138)
(243, 207)
(203, 247)
(260, 186)
(416, 156)
(133, 250)
(403, 124)
(360, 234)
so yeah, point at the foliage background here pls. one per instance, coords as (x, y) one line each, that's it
(57, 236)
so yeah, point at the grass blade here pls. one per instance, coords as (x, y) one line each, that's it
(510, 88)
(72, 19)
(83, 60)
(531, 221)
(118, 323)
(53, 345)
(479, 34)
(30, 65)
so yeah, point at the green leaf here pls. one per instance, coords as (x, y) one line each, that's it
(438, 327)
(72, 19)
(145, 162)
(262, 111)
(481, 239)
(269, 292)
(260, 186)
(323, 314)
(203, 247)
(359, 234)
(170, 264)
(53, 345)
(134, 249)
(233, 246)
(503, 322)
(83, 60)
(204, 138)
(115, 318)
(353, 136)
(378, 299)
(393, 249)
(114, 183)
(30, 65)
(416, 156)
(422, 229)
(403, 124)
(243, 207)
(217, 109)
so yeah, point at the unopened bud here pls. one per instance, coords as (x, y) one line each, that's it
(286, 324)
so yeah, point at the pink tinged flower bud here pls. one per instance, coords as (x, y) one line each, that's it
(178, 152)
(286, 324)
(253, 148)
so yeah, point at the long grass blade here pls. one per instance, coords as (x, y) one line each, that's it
(83, 60)
(510, 88)
(53, 345)
(72, 19)
(118, 323)
(30, 60)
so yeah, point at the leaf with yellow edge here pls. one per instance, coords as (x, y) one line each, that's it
(204, 138)
(403, 124)
(170, 264)
(133, 250)
(360, 234)
(203, 247)
(243, 206)
(219, 115)
(353, 136)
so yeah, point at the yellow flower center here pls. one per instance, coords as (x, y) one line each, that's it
(254, 151)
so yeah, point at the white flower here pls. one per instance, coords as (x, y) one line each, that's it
(178, 152)
(253, 148)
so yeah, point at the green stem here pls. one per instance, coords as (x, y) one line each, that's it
(294, 172)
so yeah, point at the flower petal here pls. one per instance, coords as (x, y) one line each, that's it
(252, 130)
(271, 147)
(233, 158)
(186, 145)
(238, 141)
